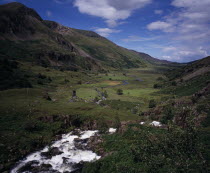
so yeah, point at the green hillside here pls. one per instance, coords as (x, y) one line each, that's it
(55, 79)
(50, 44)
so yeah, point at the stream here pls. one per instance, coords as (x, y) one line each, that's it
(63, 156)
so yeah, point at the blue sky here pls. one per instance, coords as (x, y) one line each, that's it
(175, 30)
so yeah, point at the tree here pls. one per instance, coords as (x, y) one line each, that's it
(120, 92)
(105, 94)
(117, 122)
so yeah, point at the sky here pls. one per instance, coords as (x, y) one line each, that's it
(174, 30)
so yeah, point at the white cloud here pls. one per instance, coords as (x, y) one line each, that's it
(166, 57)
(112, 11)
(48, 13)
(183, 53)
(158, 11)
(169, 49)
(160, 25)
(105, 32)
(134, 38)
(192, 4)
(189, 24)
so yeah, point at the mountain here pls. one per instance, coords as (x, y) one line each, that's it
(192, 70)
(191, 78)
(152, 60)
(48, 43)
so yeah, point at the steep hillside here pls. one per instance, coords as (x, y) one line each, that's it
(23, 32)
(189, 79)
(48, 43)
(152, 60)
(191, 70)
(99, 47)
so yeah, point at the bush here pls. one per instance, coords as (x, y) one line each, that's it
(152, 103)
(49, 79)
(120, 92)
(40, 82)
(79, 82)
(159, 78)
(157, 86)
(102, 125)
(173, 83)
(134, 110)
(66, 81)
(168, 114)
(96, 99)
(117, 123)
(105, 94)
(41, 76)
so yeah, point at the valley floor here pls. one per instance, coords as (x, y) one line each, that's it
(31, 118)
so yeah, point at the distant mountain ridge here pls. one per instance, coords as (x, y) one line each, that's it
(48, 43)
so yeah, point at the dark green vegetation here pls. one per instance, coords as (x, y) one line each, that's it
(43, 63)
(145, 149)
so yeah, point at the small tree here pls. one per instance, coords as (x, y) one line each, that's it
(96, 99)
(117, 123)
(105, 94)
(120, 92)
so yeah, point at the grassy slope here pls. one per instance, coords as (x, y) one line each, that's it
(104, 50)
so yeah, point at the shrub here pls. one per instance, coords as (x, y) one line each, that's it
(173, 83)
(66, 81)
(96, 99)
(157, 86)
(41, 76)
(168, 114)
(49, 79)
(134, 110)
(152, 103)
(40, 82)
(120, 92)
(117, 123)
(105, 94)
(160, 78)
(79, 82)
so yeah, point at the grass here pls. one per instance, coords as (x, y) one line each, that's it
(27, 117)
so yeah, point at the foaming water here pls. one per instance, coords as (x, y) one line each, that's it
(66, 157)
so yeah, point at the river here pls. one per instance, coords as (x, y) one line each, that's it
(65, 155)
